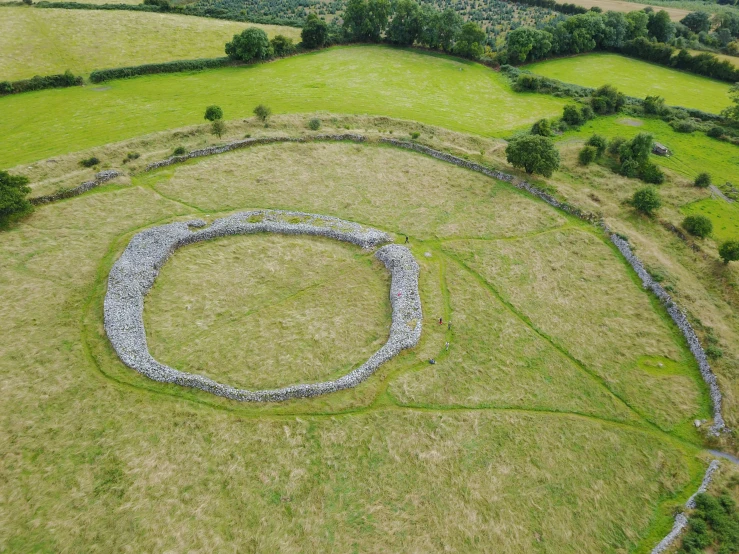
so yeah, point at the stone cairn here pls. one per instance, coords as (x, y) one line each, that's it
(133, 275)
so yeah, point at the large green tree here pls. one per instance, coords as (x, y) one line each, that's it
(252, 44)
(314, 33)
(533, 153)
(13, 201)
(470, 42)
(407, 23)
(660, 26)
(698, 22)
(366, 20)
(729, 251)
(732, 112)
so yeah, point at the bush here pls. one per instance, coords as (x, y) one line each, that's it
(646, 200)
(716, 132)
(542, 128)
(698, 225)
(212, 113)
(415, 135)
(629, 168)
(262, 112)
(101, 75)
(252, 44)
(650, 173)
(218, 127)
(527, 82)
(89, 162)
(13, 201)
(314, 33)
(607, 100)
(314, 124)
(599, 143)
(614, 148)
(683, 125)
(703, 180)
(654, 105)
(572, 115)
(534, 154)
(729, 251)
(179, 151)
(282, 45)
(131, 156)
(587, 155)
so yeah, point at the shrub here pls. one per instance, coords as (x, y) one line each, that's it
(314, 33)
(213, 113)
(698, 225)
(629, 168)
(729, 251)
(282, 45)
(218, 127)
(572, 115)
(179, 151)
(587, 113)
(89, 162)
(714, 352)
(66, 79)
(716, 132)
(646, 200)
(252, 44)
(587, 155)
(683, 125)
(654, 105)
(614, 148)
(131, 156)
(703, 180)
(650, 173)
(13, 201)
(599, 143)
(542, 128)
(607, 100)
(100, 75)
(527, 82)
(535, 154)
(263, 112)
(415, 135)
(314, 124)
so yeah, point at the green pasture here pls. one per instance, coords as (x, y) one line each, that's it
(550, 415)
(638, 78)
(46, 41)
(692, 153)
(723, 215)
(406, 84)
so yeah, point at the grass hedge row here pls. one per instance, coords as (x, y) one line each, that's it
(100, 75)
(63, 80)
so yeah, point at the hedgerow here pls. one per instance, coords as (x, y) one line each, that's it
(100, 75)
(62, 80)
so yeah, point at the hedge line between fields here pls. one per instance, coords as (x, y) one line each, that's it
(100, 75)
(61, 80)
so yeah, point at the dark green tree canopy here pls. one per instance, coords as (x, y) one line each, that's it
(660, 26)
(698, 22)
(646, 200)
(470, 42)
(13, 191)
(282, 45)
(366, 20)
(407, 23)
(213, 113)
(729, 251)
(533, 153)
(314, 33)
(698, 225)
(252, 44)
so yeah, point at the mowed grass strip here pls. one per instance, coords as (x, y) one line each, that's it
(376, 80)
(47, 41)
(638, 78)
(324, 302)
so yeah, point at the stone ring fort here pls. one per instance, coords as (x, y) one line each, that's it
(133, 275)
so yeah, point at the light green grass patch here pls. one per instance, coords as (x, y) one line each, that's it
(48, 41)
(407, 84)
(638, 78)
(692, 153)
(723, 215)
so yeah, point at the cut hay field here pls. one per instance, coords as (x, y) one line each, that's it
(638, 78)
(692, 153)
(406, 84)
(534, 427)
(47, 41)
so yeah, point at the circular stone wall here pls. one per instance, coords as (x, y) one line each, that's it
(135, 271)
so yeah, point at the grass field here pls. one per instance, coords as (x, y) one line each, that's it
(96, 456)
(43, 42)
(406, 84)
(638, 78)
(676, 14)
(691, 153)
(723, 215)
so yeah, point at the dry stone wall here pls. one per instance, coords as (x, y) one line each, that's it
(133, 275)
(100, 178)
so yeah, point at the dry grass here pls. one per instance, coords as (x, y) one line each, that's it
(42, 42)
(324, 303)
(96, 457)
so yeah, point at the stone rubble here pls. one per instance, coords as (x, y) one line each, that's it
(133, 275)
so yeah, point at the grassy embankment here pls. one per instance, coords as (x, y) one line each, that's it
(45, 41)
(541, 437)
(638, 78)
